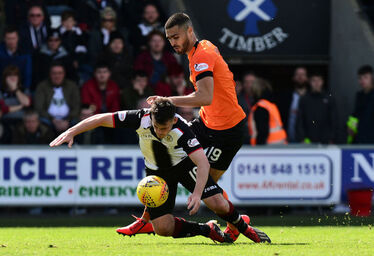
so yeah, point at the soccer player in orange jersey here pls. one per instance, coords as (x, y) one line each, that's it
(220, 127)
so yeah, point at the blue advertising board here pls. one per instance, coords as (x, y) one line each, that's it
(357, 170)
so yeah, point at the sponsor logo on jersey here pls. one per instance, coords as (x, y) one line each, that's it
(122, 115)
(146, 136)
(201, 66)
(192, 142)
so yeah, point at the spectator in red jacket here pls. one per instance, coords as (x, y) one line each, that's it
(176, 85)
(101, 93)
(155, 61)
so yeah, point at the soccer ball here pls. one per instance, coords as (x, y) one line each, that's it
(152, 191)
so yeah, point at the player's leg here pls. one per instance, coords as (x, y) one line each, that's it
(224, 146)
(143, 225)
(213, 198)
(168, 225)
(139, 226)
(225, 210)
(230, 229)
(165, 224)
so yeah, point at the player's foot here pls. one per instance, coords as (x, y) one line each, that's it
(137, 227)
(234, 233)
(256, 235)
(216, 234)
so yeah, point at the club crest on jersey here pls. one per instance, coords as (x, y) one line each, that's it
(201, 66)
(192, 142)
(122, 115)
(169, 138)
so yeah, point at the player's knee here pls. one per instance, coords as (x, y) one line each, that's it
(218, 204)
(163, 228)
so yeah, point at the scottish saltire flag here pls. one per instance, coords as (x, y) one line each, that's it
(250, 12)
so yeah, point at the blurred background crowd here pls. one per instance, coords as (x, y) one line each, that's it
(62, 61)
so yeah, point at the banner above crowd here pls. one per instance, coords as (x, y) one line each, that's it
(264, 28)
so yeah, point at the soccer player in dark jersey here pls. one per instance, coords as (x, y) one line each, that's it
(220, 127)
(171, 151)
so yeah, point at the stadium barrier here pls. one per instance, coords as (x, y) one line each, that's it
(108, 175)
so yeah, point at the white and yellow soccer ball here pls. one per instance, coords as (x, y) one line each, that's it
(152, 191)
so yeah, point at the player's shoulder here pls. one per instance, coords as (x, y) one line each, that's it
(144, 115)
(181, 126)
(206, 48)
(138, 113)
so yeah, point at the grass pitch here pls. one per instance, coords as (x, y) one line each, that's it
(291, 240)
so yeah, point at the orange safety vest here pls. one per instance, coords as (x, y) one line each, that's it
(277, 134)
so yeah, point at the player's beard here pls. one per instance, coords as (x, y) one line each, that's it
(184, 47)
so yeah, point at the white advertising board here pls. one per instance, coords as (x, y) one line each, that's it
(109, 176)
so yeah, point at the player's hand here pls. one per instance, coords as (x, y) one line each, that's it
(193, 203)
(151, 99)
(65, 137)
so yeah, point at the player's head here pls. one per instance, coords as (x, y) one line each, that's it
(163, 116)
(179, 32)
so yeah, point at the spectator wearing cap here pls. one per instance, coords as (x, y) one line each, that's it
(150, 22)
(155, 61)
(11, 54)
(138, 90)
(12, 94)
(100, 38)
(361, 122)
(119, 59)
(73, 39)
(52, 51)
(317, 120)
(34, 34)
(31, 131)
(57, 99)
(101, 93)
(176, 85)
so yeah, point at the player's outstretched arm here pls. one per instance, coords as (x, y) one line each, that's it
(202, 163)
(85, 125)
(203, 96)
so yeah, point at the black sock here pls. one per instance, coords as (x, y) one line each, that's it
(185, 228)
(234, 218)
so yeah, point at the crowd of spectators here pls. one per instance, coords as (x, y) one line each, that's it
(305, 114)
(62, 61)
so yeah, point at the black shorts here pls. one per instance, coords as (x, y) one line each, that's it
(184, 173)
(220, 145)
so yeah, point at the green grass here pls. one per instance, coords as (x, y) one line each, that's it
(291, 240)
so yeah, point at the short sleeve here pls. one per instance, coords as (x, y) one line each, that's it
(188, 141)
(203, 64)
(128, 119)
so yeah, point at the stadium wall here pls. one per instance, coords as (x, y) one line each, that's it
(108, 175)
(351, 46)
